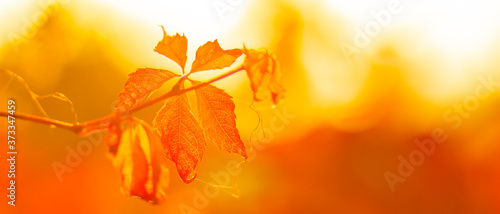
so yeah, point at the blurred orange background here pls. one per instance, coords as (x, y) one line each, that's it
(365, 80)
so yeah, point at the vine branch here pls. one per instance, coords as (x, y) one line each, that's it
(79, 127)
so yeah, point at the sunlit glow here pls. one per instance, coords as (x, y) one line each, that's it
(7, 9)
(355, 11)
(345, 122)
(456, 33)
(465, 29)
(199, 19)
(330, 82)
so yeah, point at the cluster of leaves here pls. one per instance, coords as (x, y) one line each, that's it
(139, 150)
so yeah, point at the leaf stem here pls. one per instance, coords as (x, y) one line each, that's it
(176, 91)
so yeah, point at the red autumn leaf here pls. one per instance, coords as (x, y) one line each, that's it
(181, 136)
(140, 85)
(216, 114)
(173, 47)
(140, 161)
(263, 70)
(211, 56)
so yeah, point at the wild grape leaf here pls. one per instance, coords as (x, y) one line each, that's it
(140, 161)
(216, 114)
(173, 47)
(275, 86)
(140, 85)
(181, 135)
(211, 56)
(256, 66)
(263, 70)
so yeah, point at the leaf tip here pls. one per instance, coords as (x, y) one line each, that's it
(163, 29)
(173, 47)
(190, 177)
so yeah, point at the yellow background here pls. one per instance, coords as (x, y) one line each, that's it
(348, 120)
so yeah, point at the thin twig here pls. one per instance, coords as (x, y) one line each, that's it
(44, 120)
(33, 96)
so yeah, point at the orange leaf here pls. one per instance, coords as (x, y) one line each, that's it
(140, 85)
(173, 47)
(216, 110)
(140, 161)
(275, 87)
(181, 136)
(263, 70)
(211, 56)
(257, 67)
